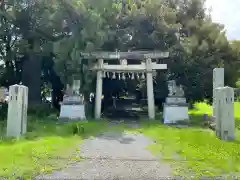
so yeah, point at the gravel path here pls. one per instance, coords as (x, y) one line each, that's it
(115, 156)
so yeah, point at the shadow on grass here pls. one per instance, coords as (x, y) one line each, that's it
(117, 136)
(199, 120)
(49, 126)
(117, 130)
(44, 128)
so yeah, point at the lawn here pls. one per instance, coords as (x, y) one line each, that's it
(43, 149)
(195, 151)
(192, 151)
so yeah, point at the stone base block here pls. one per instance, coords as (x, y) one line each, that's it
(173, 114)
(72, 112)
(175, 100)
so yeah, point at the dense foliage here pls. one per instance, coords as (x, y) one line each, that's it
(42, 41)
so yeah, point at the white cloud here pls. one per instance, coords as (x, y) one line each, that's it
(228, 14)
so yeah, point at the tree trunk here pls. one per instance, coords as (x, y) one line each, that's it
(31, 77)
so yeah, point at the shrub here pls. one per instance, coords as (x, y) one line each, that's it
(43, 110)
(3, 111)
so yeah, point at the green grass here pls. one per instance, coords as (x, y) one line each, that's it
(195, 151)
(47, 147)
(192, 151)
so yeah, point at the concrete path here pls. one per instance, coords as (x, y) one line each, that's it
(115, 156)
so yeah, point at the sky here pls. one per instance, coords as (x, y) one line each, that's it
(226, 12)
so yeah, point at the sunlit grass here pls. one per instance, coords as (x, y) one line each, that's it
(203, 108)
(46, 147)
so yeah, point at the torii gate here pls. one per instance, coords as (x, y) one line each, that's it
(147, 66)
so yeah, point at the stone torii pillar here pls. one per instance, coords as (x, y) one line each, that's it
(98, 97)
(150, 90)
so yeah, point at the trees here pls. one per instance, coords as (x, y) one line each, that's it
(28, 24)
(205, 47)
(34, 33)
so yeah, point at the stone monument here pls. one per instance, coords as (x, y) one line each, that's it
(17, 111)
(225, 123)
(175, 108)
(218, 81)
(72, 107)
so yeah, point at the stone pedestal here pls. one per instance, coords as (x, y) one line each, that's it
(175, 110)
(225, 123)
(72, 108)
(17, 111)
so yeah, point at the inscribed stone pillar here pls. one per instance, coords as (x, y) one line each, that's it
(17, 111)
(151, 104)
(218, 81)
(225, 123)
(98, 99)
